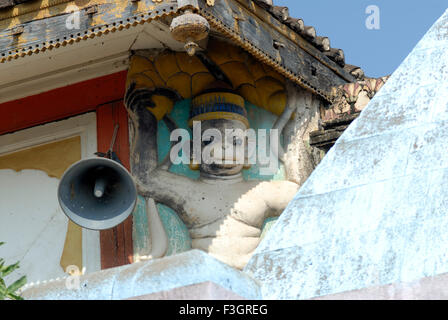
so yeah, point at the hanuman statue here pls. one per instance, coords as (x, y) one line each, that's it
(223, 213)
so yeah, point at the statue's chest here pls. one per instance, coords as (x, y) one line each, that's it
(217, 202)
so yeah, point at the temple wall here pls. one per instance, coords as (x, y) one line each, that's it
(301, 159)
(374, 211)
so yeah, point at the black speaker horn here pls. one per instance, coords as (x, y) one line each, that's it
(97, 193)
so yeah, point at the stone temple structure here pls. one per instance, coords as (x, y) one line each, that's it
(374, 212)
(354, 207)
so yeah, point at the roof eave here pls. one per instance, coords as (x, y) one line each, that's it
(274, 43)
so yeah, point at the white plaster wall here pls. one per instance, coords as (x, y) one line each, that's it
(83, 126)
(31, 224)
(375, 211)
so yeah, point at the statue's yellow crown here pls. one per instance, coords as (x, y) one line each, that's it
(218, 105)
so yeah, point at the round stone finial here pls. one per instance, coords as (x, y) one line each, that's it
(189, 28)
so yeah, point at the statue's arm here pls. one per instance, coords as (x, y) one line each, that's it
(267, 199)
(143, 134)
(154, 182)
(277, 195)
(170, 189)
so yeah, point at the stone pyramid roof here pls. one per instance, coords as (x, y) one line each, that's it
(375, 211)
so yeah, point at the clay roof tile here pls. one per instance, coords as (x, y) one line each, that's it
(308, 32)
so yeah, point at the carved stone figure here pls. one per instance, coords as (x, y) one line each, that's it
(224, 213)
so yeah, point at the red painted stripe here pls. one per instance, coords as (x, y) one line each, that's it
(61, 103)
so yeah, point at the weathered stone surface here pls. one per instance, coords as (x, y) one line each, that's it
(6, 3)
(431, 288)
(200, 291)
(146, 278)
(348, 102)
(375, 210)
(301, 159)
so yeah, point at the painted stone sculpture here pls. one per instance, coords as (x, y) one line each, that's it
(223, 211)
(224, 214)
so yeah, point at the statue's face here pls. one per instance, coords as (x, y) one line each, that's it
(233, 141)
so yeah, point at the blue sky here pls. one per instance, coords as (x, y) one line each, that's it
(378, 52)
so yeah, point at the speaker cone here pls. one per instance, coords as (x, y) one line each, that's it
(97, 193)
